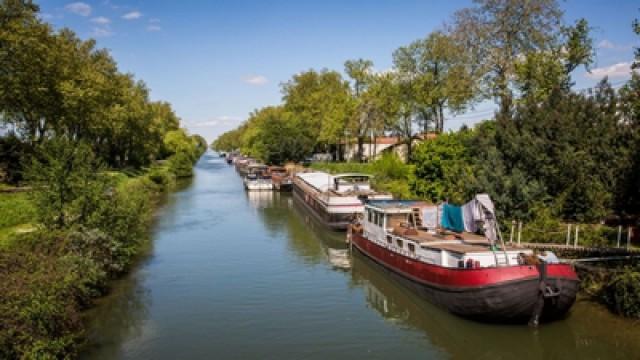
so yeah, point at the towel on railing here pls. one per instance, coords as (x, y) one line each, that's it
(452, 218)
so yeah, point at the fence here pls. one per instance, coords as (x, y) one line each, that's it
(573, 235)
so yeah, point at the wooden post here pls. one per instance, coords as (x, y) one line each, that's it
(519, 232)
(575, 239)
(568, 234)
(628, 237)
(513, 229)
(619, 235)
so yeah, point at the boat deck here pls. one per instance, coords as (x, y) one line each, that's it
(461, 243)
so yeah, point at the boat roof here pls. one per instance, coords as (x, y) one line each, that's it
(350, 175)
(324, 181)
(389, 206)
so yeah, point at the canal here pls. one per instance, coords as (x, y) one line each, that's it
(251, 276)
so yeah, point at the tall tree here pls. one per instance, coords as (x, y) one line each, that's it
(499, 32)
(438, 68)
(323, 103)
(363, 119)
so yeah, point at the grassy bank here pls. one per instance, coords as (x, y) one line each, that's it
(50, 275)
(17, 214)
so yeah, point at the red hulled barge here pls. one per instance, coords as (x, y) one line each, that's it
(471, 275)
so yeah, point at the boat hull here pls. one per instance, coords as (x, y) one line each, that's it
(258, 186)
(504, 295)
(320, 213)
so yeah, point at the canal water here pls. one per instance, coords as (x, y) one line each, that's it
(240, 275)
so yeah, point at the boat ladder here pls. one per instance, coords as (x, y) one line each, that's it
(502, 258)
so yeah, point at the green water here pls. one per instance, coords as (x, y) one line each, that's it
(248, 276)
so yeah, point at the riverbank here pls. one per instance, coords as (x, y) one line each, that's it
(50, 277)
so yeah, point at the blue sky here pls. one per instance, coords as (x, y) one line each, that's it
(216, 61)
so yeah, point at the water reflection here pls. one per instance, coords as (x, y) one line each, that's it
(117, 318)
(580, 336)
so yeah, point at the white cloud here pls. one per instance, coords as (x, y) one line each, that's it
(79, 8)
(132, 15)
(46, 16)
(101, 20)
(606, 44)
(154, 21)
(101, 32)
(217, 121)
(619, 70)
(257, 80)
(153, 28)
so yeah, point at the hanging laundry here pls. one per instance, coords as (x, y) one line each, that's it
(430, 217)
(470, 216)
(452, 218)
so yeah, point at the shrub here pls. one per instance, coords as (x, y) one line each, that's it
(181, 164)
(622, 293)
(161, 176)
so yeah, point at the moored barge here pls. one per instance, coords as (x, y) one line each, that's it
(257, 178)
(471, 275)
(335, 200)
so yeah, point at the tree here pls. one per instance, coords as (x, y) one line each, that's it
(68, 181)
(538, 74)
(636, 29)
(364, 117)
(322, 103)
(498, 32)
(30, 67)
(438, 68)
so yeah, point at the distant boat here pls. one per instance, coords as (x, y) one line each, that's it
(471, 275)
(335, 200)
(257, 178)
(281, 178)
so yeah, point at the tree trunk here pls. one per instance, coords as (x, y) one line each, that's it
(441, 120)
(360, 148)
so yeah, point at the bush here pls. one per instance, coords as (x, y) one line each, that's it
(181, 164)
(39, 314)
(622, 293)
(161, 176)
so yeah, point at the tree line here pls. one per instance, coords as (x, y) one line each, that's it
(490, 51)
(53, 85)
(94, 153)
(546, 146)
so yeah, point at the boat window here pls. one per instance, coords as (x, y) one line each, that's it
(370, 215)
(399, 242)
(389, 239)
(411, 247)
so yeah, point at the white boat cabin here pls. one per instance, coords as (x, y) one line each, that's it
(398, 226)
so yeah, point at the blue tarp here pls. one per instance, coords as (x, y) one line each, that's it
(452, 218)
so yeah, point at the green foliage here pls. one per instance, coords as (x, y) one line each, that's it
(14, 152)
(181, 164)
(68, 183)
(321, 102)
(53, 84)
(390, 173)
(622, 293)
(162, 176)
(443, 168)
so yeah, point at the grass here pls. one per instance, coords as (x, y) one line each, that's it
(17, 214)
